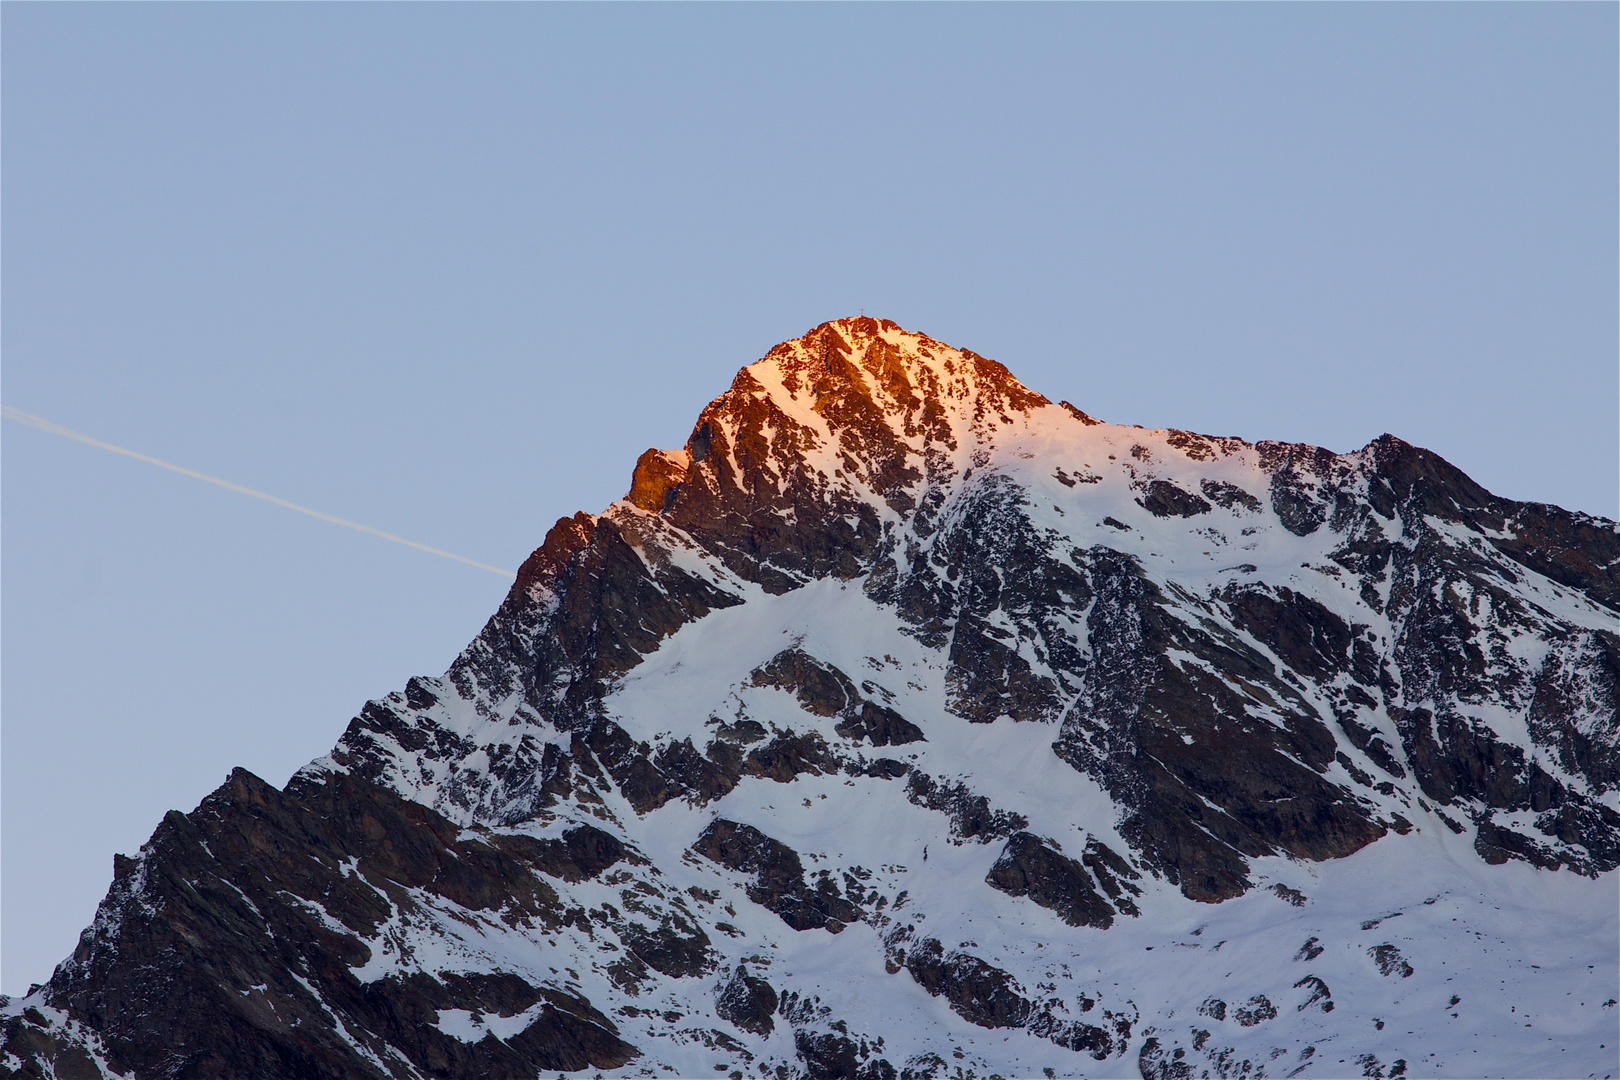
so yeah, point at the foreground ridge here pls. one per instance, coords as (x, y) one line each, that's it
(904, 723)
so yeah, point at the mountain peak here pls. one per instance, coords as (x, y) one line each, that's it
(898, 372)
(860, 404)
(857, 412)
(901, 708)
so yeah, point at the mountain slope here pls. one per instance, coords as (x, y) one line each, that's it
(904, 722)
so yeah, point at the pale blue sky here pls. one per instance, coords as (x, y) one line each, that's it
(446, 270)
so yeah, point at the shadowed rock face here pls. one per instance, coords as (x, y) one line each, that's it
(1253, 649)
(823, 690)
(779, 882)
(747, 1002)
(1028, 867)
(977, 991)
(229, 949)
(1164, 499)
(830, 1056)
(1205, 782)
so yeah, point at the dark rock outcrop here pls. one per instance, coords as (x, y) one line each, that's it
(824, 690)
(972, 816)
(1029, 867)
(829, 1055)
(880, 726)
(747, 1002)
(978, 992)
(779, 882)
(1319, 995)
(1205, 782)
(583, 852)
(1164, 499)
(228, 948)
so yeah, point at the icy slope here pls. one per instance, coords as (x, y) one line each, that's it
(905, 723)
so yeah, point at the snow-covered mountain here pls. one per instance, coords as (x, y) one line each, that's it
(904, 723)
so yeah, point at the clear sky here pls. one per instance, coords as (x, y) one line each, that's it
(446, 270)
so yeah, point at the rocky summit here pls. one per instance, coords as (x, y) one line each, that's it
(907, 724)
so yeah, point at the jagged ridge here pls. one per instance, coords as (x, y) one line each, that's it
(1197, 657)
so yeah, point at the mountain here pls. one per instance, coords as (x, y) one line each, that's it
(906, 724)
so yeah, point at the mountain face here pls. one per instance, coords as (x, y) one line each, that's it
(906, 724)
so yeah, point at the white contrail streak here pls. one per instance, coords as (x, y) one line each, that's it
(56, 429)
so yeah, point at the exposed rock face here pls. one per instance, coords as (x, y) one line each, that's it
(823, 690)
(237, 934)
(779, 882)
(971, 816)
(1108, 666)
(1028, 867)
(979, 993)
(747, 1002)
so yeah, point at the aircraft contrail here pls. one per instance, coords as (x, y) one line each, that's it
(67, 433)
